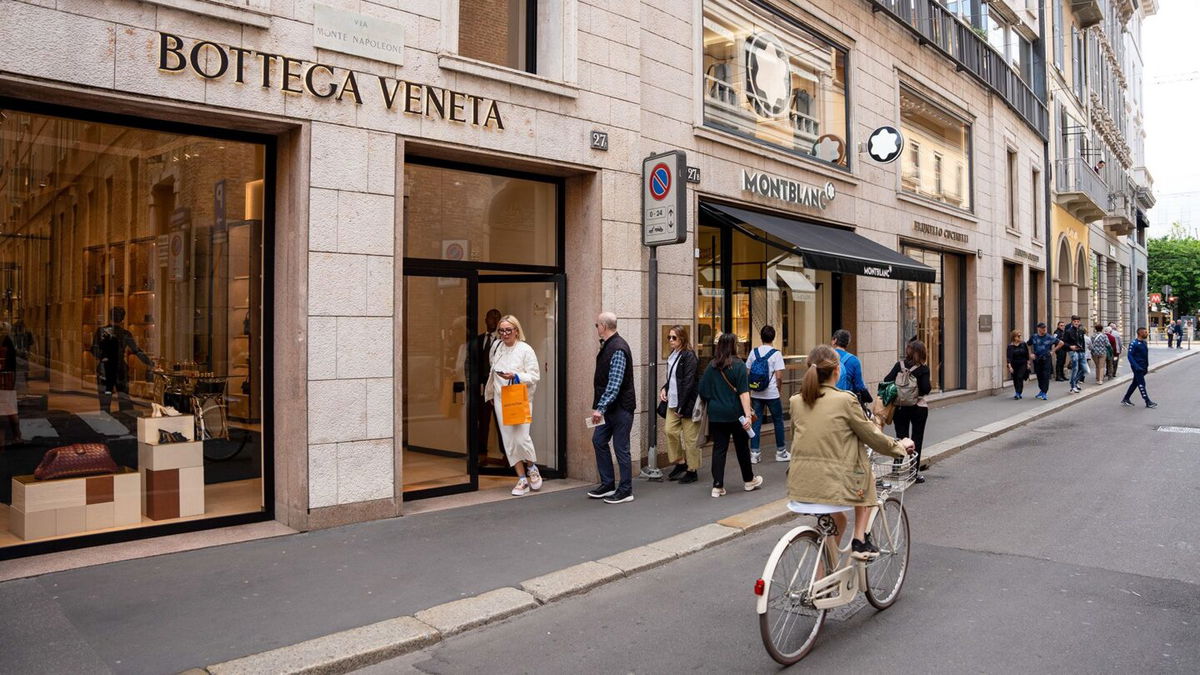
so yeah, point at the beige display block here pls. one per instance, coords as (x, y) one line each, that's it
(100, 516)
(148, 427)
(72, 505)
(191, 491)
(70, 520)
(127, 499)
(31, 495)
(156, 457)
(36, 525)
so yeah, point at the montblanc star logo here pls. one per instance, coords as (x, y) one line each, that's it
(768, 76)
(884, 144)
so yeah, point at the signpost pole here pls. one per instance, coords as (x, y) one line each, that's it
(651, 471)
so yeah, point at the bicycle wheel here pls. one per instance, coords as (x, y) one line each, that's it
(885, 574)
(790, 625)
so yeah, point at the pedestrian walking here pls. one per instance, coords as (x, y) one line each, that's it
(614, 402)
(678, 396)
(1075, 340)
(1042, 349)
(1118, 345)
(850, 368)
(1110, 363)
(725, 389)
(1060, 358)
(1099, 347)
(829, 429)
(513, 362)
(1139, 363)
(765, 365)
(1179, 333)
(1170, 331)
(911, 376)
(1019, 359)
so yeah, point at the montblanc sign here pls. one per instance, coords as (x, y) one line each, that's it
(787, 190)
(212, 61)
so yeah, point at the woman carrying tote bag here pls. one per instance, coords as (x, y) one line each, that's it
(513, 361)
(726, 391)
(676, 401)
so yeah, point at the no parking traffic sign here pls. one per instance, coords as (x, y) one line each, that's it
(664, 199)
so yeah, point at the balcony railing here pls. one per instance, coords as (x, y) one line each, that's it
(1121, 217)
(935, 25)
(1080, 190)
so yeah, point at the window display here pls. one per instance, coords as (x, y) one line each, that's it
(131, 319)
(775, 83)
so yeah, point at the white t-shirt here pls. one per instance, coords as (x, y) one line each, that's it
(774, 364)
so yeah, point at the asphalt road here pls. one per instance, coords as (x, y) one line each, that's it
(1068, 545)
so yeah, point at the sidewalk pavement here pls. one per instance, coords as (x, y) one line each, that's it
(336, 599)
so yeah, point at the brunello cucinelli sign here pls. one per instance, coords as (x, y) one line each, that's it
(212, 61)
(941, 232)
(787, 190)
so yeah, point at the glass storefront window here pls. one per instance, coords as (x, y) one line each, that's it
(932, 132)
(452, 214)
(934, 314)
(783, 86)
(710, 290)
(132, 269)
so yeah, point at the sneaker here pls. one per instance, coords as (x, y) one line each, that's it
(1151, 404)
(522, 488)
(677, 472)
(689, 477)
(783, 456)
(718, 492)
(863, 550)
(1127, 403)
(754, 456)
(602, 491)
(619, 497)
(535, 478)
(1041, 395)
(1016, 397)
(754, 484)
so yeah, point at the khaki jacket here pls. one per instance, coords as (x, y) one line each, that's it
(829, 464)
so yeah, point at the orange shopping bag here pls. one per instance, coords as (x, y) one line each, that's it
(514, 403)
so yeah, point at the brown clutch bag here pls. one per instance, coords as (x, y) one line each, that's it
(80, 459)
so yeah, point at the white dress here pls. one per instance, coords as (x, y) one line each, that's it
(521, 360)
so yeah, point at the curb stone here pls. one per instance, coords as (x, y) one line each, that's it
(638, 559)
(696, 540)
(570, 581)
(460, 615)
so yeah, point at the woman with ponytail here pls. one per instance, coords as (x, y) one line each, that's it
(829, 471)
(725, 388)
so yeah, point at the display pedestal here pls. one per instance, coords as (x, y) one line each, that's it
(172, 473)
(49, 508)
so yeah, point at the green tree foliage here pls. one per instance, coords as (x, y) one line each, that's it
(1175, 260)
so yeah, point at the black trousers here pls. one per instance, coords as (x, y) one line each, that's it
(910, 422)
(721, 432)
(1138, 384)
(1060, 363)
(1041, 368)
(1020, 373)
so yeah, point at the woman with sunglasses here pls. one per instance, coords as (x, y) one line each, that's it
(513, 359)
(679, 395)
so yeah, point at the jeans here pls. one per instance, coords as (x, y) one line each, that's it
(721, 432)
(1139, 384)
(1077, 368)
(776, 407)
(616, 427)
(1041, 368)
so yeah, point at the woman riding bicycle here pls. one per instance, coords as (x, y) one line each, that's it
(830, 471)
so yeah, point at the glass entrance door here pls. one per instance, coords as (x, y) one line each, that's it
(437, 405)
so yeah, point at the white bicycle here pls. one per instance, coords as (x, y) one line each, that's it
(807, 574)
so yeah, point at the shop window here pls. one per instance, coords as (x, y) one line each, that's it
(454, 214)
(1013, 223)
(934, 313)
(132, 269)
(503, 32)
(774, 82)
(710, 293)
(929, 129)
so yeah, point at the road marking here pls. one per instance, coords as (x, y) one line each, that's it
(1180, 430)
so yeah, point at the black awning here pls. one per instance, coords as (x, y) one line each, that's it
(827, 248)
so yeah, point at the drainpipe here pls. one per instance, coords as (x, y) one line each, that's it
(1048, 249)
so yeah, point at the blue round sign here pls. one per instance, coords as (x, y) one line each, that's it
(660, 181)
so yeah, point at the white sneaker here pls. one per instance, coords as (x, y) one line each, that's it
(754, 484)
(522, 488)
(718, 492)
(754, 456)
(535, 478)
(783, 456)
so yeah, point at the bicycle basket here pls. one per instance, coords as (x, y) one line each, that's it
(891, 474)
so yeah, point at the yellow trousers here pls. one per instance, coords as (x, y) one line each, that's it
(681, 440)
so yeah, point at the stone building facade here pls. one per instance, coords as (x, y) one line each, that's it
(416, 178)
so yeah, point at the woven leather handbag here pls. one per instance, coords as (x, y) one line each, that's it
(80, 459)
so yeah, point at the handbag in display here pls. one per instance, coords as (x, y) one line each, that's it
(80, 459)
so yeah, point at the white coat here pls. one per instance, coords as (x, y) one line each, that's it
(521, 360)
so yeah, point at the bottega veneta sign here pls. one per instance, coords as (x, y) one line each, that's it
(785, 189)
(297, 76)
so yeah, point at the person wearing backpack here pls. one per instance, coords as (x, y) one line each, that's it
(766, 371)
(1100, 348)
(911, 377)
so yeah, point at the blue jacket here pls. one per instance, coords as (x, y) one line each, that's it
(1139, 355)
(851, 376)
